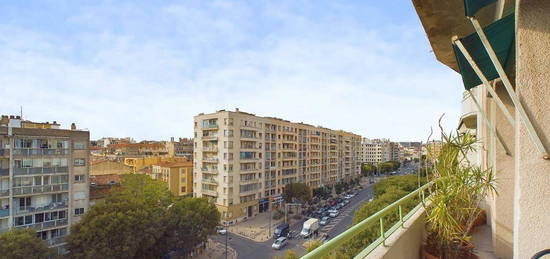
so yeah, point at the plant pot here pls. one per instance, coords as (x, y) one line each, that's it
(468, 246)
(480, 220)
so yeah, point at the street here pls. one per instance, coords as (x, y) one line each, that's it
(248, 249)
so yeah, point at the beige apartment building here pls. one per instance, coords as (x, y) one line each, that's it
(241, 160)
(43, 178)
(375, 151)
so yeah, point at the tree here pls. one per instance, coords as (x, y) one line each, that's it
(141, 219)
(368, 169)
(188, 223)
(297, 191)
(23, 244)
(311, 245)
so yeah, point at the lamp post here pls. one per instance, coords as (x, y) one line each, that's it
(226, 235)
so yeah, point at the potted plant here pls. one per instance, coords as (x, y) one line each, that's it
(457, 191)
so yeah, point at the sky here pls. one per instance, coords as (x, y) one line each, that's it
(143, 69)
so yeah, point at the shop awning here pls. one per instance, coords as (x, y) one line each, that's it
(501, 37)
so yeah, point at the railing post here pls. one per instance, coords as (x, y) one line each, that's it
(382, 235)
(401, 216)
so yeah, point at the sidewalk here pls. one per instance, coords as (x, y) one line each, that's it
(216, 250)
(255, 228)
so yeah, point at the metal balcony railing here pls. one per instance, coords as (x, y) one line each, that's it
(210, 126)
(40, 189)
(51, 206)
(55, 241)
(46, 224)
(4, 171)
(378, 217)
(40, 152)
(41, 170)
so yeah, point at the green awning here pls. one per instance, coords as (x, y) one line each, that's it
(501, 37)
(472, 6)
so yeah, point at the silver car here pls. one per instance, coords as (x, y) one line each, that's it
(279, 243)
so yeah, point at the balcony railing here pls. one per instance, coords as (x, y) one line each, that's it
(40, 152)
(40, 189)
(46, 224)
(41, 170)
(51, 206)
(209, 181)
(4, 193)
(378, 217)
(4, 171)
(210, 126)
(210, 192)
(211, 159)
(55, 241)
(214, 149)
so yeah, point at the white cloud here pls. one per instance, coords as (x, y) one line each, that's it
(119, 81)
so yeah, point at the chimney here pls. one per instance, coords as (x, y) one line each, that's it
(237, 109)
(18, 117)
(73, 126)
(172, 139)
(54, 122)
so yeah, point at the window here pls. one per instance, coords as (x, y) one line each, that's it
(79, 145)
(78, 211)
(79, 178)
(79, 162)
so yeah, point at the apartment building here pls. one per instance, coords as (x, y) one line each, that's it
(181, 148)
(43, 178)
(178, 176)
(375, 151)
(240, 159)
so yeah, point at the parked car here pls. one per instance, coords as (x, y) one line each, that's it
(324, 221)
(346, 202)
(334, 213)
(221, 230)
(279, 243)
(281, 231)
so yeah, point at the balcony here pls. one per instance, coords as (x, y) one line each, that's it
(4, 171)
(210, 126)
(210, 192)
(210, 159)
(4, 152)
(40, 152)
(4, 193)
(209, 181)
(51, 206)
(55, 241)
(40, 189)
(210, 170)
(4, 213)
(41, 170)
(46, 224)
(210, 149)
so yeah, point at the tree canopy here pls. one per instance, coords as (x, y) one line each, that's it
(297, 191)
(141, 219)
(23, 244)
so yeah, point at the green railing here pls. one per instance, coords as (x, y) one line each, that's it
(378, 217)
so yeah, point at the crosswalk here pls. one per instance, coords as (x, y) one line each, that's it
(334, 221)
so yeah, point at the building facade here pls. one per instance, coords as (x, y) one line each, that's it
(178, 176)
(43, 178)
(240, 160)
(375, 151)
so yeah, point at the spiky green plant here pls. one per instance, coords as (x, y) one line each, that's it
(458, 189)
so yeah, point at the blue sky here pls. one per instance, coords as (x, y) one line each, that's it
(144, 68)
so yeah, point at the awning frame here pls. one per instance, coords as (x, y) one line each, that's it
(508, 86)
(484, 80)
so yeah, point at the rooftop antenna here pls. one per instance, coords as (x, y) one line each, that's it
(21, 112)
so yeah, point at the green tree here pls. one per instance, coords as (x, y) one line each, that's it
(23, 244)
(298, 191)
(368, 169)
(188, 223)
(122, 229)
